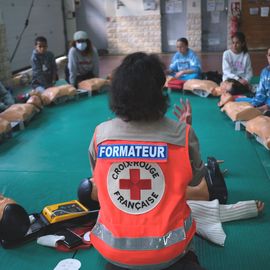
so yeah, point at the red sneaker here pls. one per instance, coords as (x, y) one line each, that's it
(22, 98)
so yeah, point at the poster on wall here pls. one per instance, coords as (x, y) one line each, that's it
(211, 5)
(235, 8)
(264, 11)
(173, 6)
(254, 11)
(213, 41)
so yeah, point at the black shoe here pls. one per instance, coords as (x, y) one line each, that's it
(267, 113)
(110, 266)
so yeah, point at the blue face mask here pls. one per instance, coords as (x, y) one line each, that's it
(81, 46)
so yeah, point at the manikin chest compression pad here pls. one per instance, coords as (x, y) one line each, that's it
(240, 111)
(205, 85)
(52, 93)
(36, 101)
(19, 112)
(260, 126)
(93, 84)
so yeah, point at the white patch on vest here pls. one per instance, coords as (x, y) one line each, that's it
(135, 187)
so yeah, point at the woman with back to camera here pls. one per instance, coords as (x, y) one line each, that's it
(142, 163)
(236, 64)
(83, 61)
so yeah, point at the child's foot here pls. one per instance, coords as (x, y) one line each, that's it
(260, 206)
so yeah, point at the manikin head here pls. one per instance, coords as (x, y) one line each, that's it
(14, 220)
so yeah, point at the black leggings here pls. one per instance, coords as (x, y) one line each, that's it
(188, 262)
(88, 75)
(79, 78)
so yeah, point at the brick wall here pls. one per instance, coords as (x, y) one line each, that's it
(5, 69)
(127, 34)
(194, 31)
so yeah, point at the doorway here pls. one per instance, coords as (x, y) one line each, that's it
(173, 22)
(214, 25)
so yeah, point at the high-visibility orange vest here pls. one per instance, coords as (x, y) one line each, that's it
(144, 219)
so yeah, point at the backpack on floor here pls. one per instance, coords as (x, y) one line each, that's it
(215, 181)
(214, 76)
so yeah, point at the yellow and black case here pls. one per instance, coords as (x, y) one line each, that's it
(64, 211)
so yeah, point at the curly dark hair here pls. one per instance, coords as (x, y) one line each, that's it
(136, 91)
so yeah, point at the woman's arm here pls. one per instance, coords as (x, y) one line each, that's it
(72, 66)
(95, 63)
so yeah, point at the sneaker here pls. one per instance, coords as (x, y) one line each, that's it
(22, 98)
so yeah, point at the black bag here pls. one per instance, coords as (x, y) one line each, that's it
(214, 76)
(215, 181)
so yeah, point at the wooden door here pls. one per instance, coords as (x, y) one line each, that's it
(255, 26)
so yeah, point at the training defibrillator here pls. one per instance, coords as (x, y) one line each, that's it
(18, 227)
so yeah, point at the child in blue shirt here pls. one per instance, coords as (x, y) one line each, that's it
(262, 96)
(185, 63)
(261, 100)
(43, 66)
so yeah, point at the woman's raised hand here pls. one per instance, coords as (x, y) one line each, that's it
(183, 113)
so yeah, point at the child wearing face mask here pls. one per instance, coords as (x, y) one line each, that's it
(83, 62)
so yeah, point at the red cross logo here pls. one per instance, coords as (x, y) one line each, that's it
(135, 184)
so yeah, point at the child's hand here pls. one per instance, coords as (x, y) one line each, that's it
(183, 114)
(243, 81)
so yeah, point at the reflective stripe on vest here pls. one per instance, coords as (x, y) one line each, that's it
(143, 243)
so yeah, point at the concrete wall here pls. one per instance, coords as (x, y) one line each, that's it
(5, 68)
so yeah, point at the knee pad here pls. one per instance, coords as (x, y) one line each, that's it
(84, 194)
(14, 223)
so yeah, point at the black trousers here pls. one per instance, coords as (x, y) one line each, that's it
(188, 262)
(79, 78)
